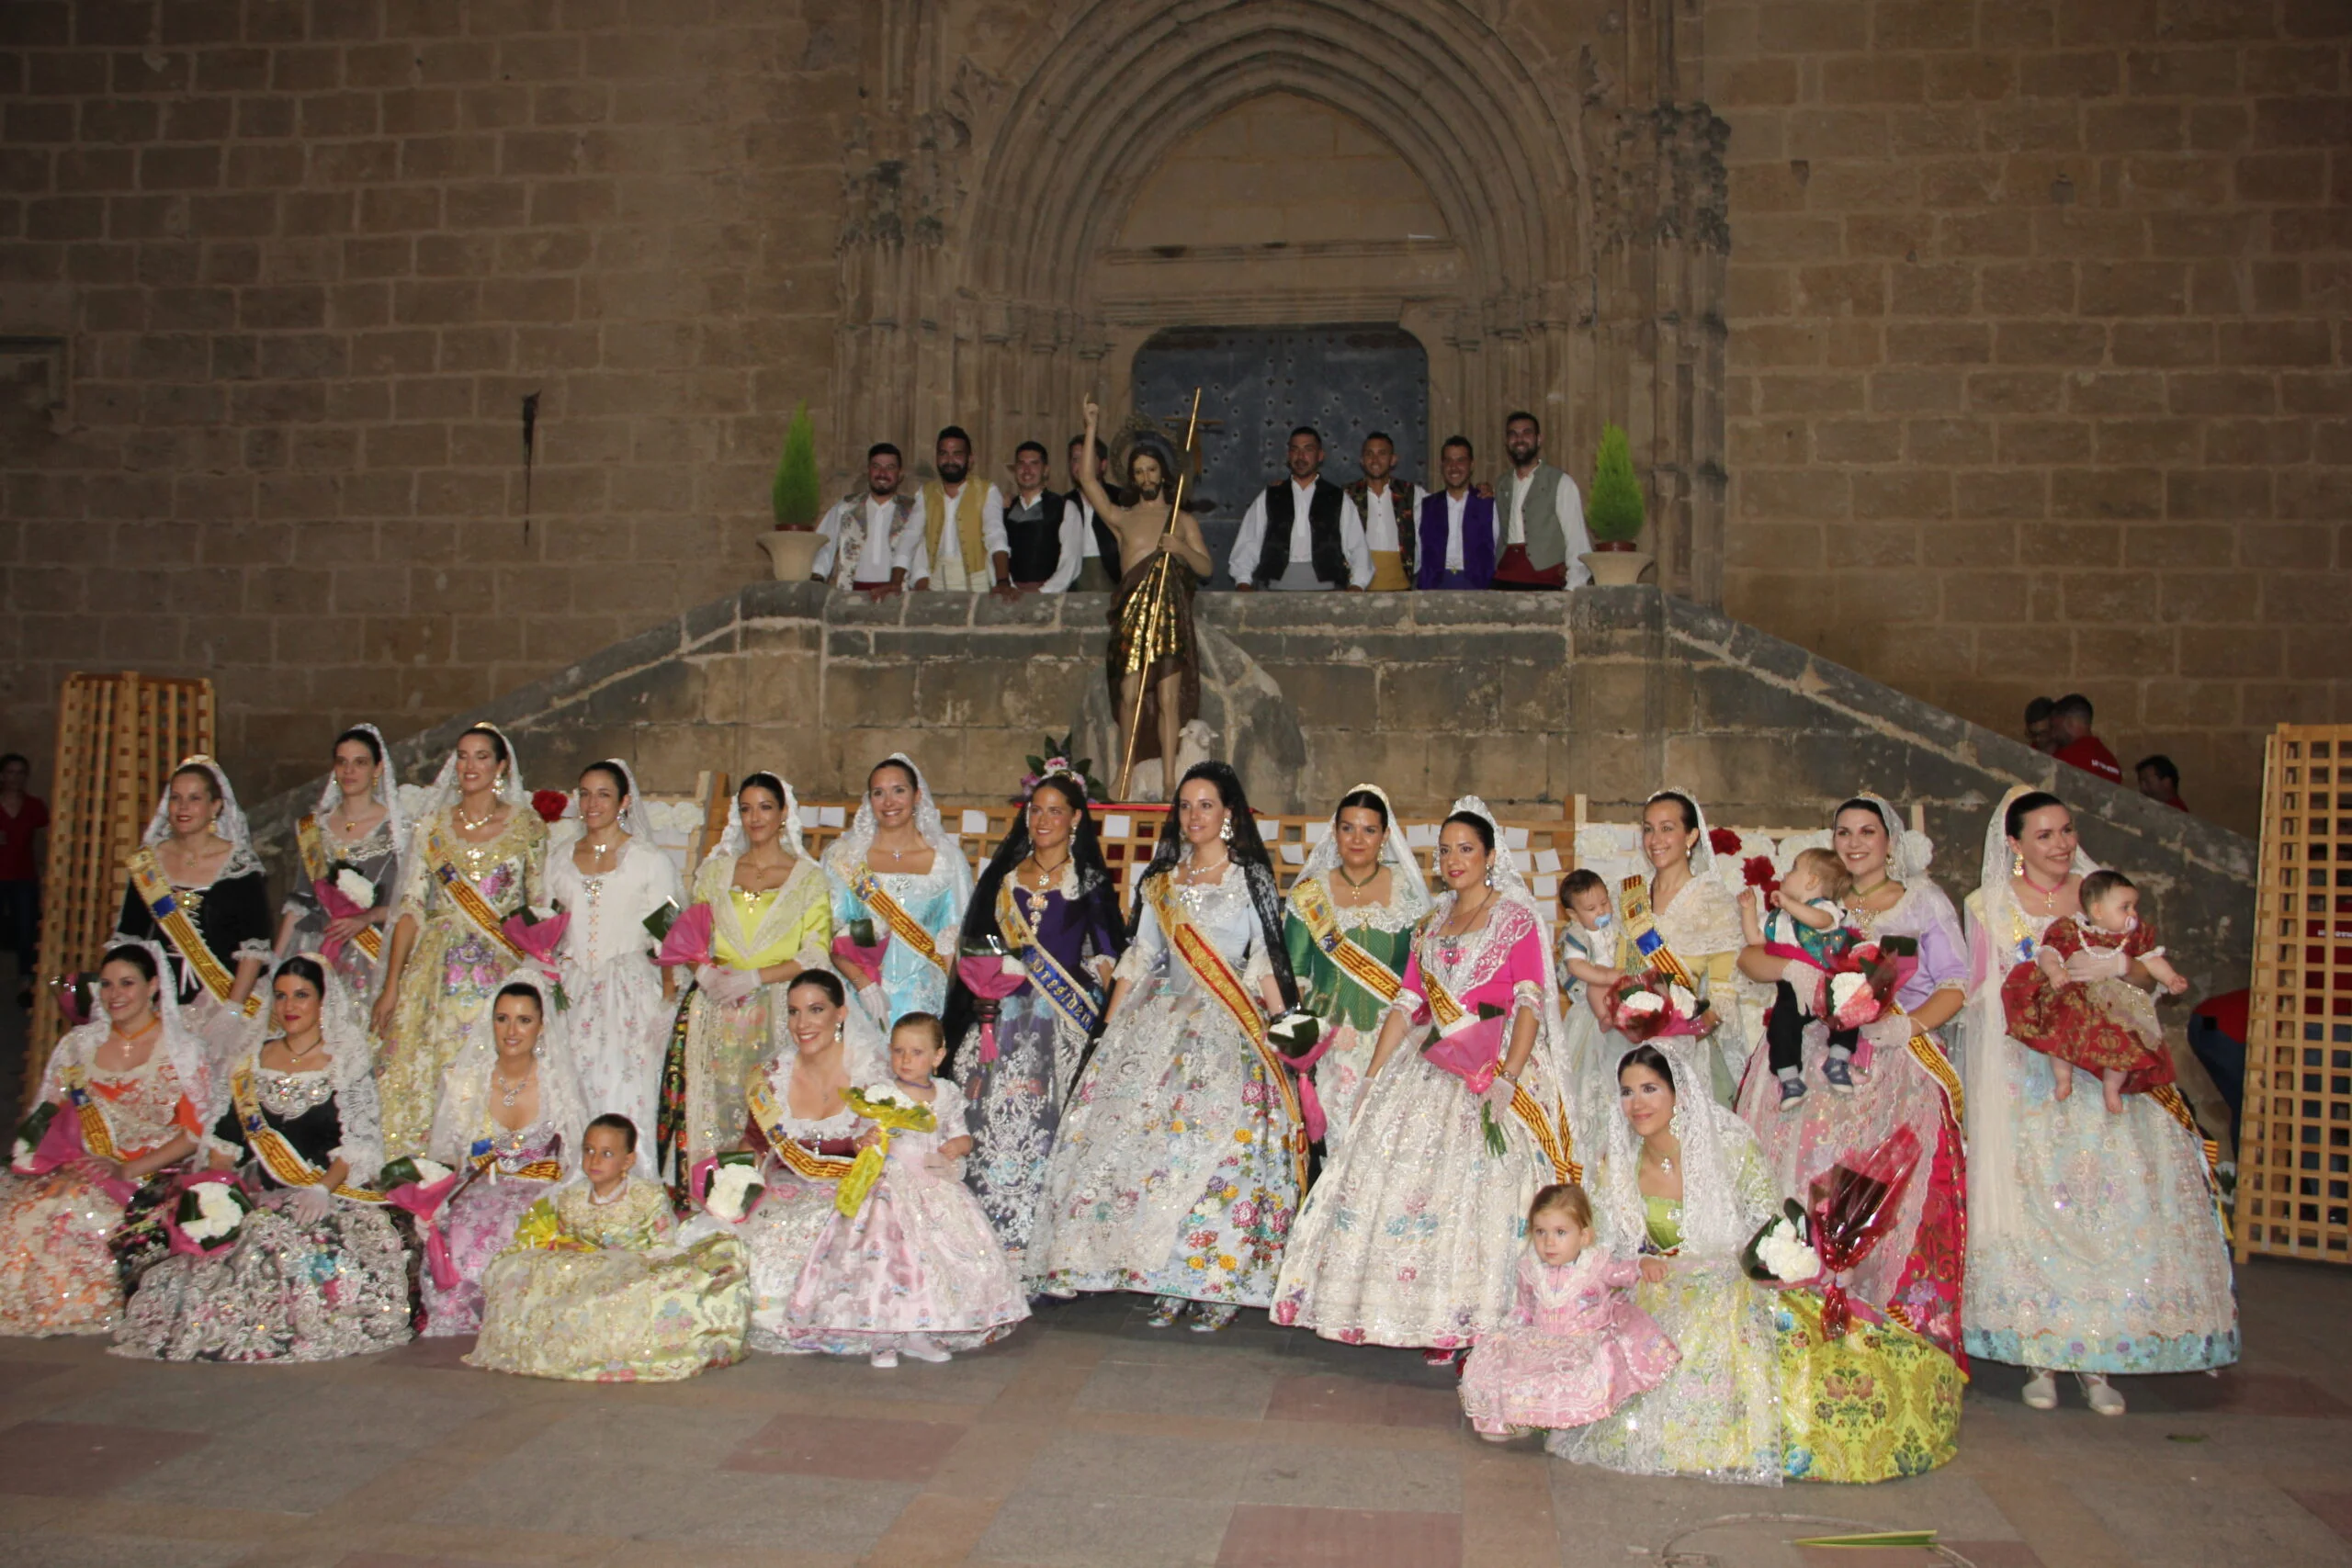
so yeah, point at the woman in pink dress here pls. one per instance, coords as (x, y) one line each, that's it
(1576, 1347)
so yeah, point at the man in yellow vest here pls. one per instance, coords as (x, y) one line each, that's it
(965, 524)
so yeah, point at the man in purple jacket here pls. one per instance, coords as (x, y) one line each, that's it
(1457, 528)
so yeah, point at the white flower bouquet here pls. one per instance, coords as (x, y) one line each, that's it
(727, 1185)
(1782, 1253)
(208, 1217)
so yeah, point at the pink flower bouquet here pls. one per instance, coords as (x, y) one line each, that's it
(990, 977)
(687, 944)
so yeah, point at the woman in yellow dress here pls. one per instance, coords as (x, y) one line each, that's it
(476, 856)
(770, 920)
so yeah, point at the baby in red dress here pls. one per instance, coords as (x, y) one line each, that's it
(1575, 1345)
(2108, 1026)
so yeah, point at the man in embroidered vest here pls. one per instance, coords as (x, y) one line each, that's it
(1303, 534)
(1387, 505)
(1099, 569)
(1457, 542)
(874, 542)
(1043, 534)
(963, 523)
(1541, 516)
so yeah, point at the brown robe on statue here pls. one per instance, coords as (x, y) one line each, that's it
(1179, 653)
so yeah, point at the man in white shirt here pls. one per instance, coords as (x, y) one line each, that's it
(1304, 534)
(1045, 534)
(1539, 516)
(874, 542)
(1457, 542)
(963, 524)
(1099, 571)
(1387, 505)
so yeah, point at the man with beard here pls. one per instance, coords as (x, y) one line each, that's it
(1387, 506)
(874, 542)
(1540, 515)
(1044, 532)
(1153, 654)
(964, 524)
(1303, 534)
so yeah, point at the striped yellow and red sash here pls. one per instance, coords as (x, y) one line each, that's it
(1218, 978)
(155, 890)
(536, 1171)
(466, 897)
(1057, 984)
(1313, 903)
(905, 926)
(758, 1096)
(1551, 1133)
(1641, 930)
(281, 1159)
(315, 867)
(97, 1135)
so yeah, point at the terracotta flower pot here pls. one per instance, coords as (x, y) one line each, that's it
(792, 552)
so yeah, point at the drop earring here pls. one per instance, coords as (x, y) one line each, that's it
(1224, 830)
(2017, 863)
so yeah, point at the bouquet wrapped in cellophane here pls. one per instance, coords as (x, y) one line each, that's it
(991, 973)
(1649, 1005)
(1853, 1205)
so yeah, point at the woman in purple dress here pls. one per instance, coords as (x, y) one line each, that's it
(1049, 903)
(510, 1123)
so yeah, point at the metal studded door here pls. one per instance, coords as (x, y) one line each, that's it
(1258, 383)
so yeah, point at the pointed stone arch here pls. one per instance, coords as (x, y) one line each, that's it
(978, 268)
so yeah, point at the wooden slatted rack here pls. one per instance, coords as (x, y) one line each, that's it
(2295, 1139)
(118, 738)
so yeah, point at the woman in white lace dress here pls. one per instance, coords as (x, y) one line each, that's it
(606, 871)
(1180, 1156)
(353, 834)
(1683, 920)
(1412, 1238)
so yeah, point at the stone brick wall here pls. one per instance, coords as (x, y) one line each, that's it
(307, 257)
(2037, 356)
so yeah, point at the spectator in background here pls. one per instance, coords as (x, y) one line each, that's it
(1099, 571)
(2070, 727)
(2159, 780)
(2217, 1031)
(23, 819)
(2037, 726)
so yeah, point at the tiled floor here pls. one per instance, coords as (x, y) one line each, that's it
(1090, 1439)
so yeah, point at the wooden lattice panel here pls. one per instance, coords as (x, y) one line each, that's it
(2295, 1144)
(118, 738)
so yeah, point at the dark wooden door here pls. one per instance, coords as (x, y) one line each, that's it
(1257, 383)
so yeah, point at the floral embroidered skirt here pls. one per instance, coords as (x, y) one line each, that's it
(917, 1261)
(284, 1292)
(614, 1314)
(56, 1273)
(1016, 1111)
(1525, 1375)
(479, 1223)
(2100, 1025)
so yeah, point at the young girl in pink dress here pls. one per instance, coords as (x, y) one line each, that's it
(918, 1268)
(1575, 1347)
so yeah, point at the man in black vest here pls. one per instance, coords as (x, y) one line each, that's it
(1044, 532)
(1304, 534)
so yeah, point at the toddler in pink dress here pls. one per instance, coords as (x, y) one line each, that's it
(1575, 1345)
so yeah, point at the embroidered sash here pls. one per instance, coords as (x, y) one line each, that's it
(1071, 998)
(315, 866)
(482, 1157)
(1552, 1136)
(1218, 978)
(1641, 926)
(97, 1135)
(154, 890)
(466, 897)
(870, 891)
(281, 1159)
(2175, 1105)
(1314, 906)
(1930, 1055)
(759, 1096)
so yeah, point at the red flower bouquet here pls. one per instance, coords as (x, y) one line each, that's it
(1722, 840)
(1853, 1204)
(1649, 1005)
(550, 804)
(860, 945)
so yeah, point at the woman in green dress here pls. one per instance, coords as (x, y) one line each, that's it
(1764, 1393)
(1349, 924)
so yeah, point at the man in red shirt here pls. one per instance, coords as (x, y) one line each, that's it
(2070, 726)
(23, 817)
(2160, 780)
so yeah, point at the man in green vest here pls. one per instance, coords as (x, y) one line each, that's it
(1539, 516)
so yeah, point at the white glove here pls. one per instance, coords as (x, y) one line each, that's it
(1890, 1031)
(939, 1165)
(1498, 1096)
(2098, 963)
(311, 1205)
(722, 984)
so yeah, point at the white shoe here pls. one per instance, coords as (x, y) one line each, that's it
(924, 1350)
(2042, 1391)
(886, 1360)
(2101, 1393)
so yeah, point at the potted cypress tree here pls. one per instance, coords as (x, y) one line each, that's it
(797, 500)
(1613, 516)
